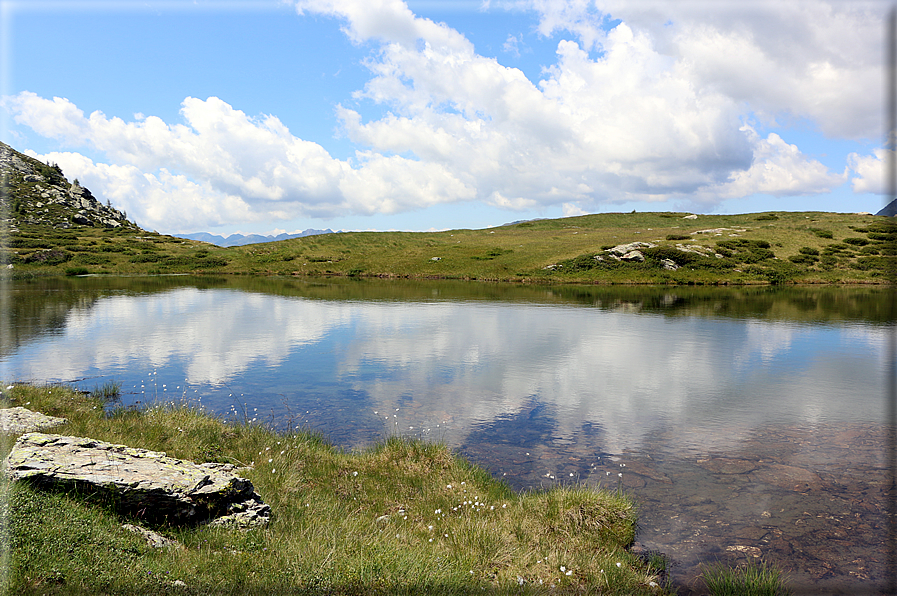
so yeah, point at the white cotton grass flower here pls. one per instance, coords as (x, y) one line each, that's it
(619, 564)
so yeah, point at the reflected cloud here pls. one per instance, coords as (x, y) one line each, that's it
(448, 367)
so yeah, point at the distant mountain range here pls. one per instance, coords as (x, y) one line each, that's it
(241, 240)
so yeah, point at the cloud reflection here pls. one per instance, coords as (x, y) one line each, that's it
(462, 365)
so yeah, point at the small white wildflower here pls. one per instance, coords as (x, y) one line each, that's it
(569, 572)
(448, 485)
(273, 470)
(620, 474)
(429, 527)
(270, 460)
(563, 568)
(505, 505)
(353, 473)
(431, 540)
(619, 564)
(438, 511)
(652, 584)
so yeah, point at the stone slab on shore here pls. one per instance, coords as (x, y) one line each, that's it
(144, 483)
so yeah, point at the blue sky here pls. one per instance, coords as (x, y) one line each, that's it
(268, 116)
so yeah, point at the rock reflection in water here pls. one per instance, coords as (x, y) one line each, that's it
(813, 500)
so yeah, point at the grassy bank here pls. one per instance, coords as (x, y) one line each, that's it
(402, 517)
(780, 247)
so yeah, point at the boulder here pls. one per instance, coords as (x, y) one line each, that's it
(147, 484)
(20, 420)
(622, 249)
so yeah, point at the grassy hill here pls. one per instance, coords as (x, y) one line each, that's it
(56, 228)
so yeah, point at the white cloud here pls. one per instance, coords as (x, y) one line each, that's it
(657, 114)
(778, 169)
(819, 59)
(869, 172)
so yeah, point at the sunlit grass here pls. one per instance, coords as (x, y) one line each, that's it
(535, 252)
(752, 578)
(402, 517)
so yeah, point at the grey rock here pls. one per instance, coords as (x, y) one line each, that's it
(634, 255)
(669, 264)
(154, 539)
(144, 483)
(20, 420)
(622, 249)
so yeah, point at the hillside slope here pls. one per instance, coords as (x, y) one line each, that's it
(38, 194)
(54, 227)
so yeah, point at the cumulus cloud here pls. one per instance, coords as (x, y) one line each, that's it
(223, 166)
(652, 108)
(778, 169)
(819, 59)
(869, 172)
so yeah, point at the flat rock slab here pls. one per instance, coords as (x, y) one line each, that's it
(144, 483)
(20, 420)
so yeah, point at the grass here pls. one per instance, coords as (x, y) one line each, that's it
(401, 517)
(108, 391)
(753, 578)
(777, 248)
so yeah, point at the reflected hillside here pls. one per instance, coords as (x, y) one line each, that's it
(32, 309)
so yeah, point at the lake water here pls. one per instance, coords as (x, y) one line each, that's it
(746, 421)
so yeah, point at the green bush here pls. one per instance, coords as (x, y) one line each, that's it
(856, 241)
(808, 250)
(803, 259)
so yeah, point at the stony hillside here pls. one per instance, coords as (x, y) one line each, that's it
(38, 194)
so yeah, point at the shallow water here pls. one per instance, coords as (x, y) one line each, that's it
(745, 421)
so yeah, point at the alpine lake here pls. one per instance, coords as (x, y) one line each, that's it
(746, 421)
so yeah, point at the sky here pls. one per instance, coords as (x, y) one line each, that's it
(271, 116)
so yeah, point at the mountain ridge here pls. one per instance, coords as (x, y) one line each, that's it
(243, 240)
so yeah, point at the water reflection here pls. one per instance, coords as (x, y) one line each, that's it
(723, 403)
(464, 364)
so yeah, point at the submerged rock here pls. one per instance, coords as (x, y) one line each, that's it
(144, 483)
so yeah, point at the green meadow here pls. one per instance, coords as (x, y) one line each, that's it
(780, 247)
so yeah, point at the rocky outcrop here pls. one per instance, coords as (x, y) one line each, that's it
(39, 194)
(146, 484)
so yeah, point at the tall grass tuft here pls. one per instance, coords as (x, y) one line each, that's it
(753, 578)
(108, 391)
